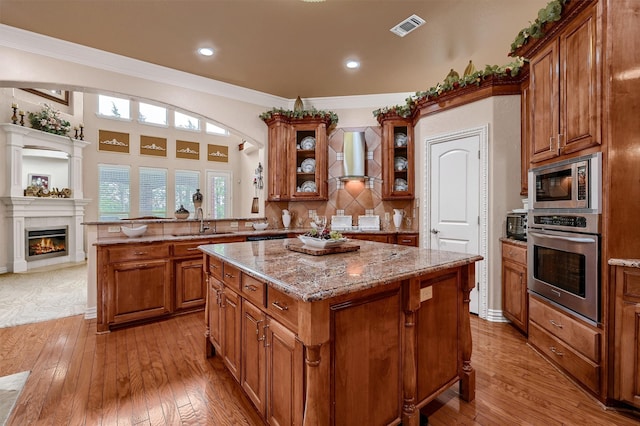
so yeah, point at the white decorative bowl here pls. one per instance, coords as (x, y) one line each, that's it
(133, 232)
(320, 242)
(260, 226)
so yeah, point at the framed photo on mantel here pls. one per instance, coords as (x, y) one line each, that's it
(56, 95)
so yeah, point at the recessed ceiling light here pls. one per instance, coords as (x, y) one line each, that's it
(205, 51)
(352, 64)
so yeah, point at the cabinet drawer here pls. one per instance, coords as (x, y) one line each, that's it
(408, 240)
(574, 333)
(188, 249)
(231, 276)
(215, 267)
(514, 253)
(583, 369)
(253, 290)
(138, 252)
(283, 307)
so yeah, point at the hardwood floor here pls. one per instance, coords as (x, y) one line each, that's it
(157, 374)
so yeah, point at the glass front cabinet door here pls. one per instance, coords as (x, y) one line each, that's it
(398, 170)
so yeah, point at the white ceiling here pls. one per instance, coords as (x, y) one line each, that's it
(290, 48)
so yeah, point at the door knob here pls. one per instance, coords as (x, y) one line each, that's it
(434, 231)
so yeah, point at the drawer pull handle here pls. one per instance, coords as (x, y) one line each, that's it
(556, 324)
(555, 351)
(140, 253)
(211, 265)
(251, 287)
(277, 305)
(192, 248)
(229, 276)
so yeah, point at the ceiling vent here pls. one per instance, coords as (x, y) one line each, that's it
(408, 25)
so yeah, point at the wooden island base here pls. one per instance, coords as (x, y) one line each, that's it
(372, 357)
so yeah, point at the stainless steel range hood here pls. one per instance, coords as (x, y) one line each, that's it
(355, 154)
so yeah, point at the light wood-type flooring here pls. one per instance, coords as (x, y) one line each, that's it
(157, 374)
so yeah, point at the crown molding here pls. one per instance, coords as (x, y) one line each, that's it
(27, 41)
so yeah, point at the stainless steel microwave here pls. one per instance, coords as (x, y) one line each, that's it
(570, 184)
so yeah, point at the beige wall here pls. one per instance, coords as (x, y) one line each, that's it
(502, 114)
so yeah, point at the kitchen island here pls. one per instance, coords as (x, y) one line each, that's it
(364, 337)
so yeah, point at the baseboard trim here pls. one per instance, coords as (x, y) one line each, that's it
(3, 270)
(495, 315)
(91, 313)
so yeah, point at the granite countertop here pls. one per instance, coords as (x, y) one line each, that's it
(312, 278)
(514, 241)
(631, 263)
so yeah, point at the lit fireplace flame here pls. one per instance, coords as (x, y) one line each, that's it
(44, 246)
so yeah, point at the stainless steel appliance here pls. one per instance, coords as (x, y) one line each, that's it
(517, 226)
(563, 234)
(570, 184)
(564, 261)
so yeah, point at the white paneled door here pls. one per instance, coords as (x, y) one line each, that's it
(455, 198)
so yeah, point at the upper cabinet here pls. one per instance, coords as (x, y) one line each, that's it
(297, 158)
(398, 164)
(565, 91)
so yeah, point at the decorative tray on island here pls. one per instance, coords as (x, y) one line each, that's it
(320, 246)
(321, 242)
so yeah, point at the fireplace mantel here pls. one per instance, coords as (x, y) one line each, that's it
(27, 212)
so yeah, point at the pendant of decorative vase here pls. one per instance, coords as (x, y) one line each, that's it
(297, 105)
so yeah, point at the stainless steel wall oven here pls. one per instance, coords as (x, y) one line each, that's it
(563, 235)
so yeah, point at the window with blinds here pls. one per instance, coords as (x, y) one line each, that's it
(218, 197)
(153, 192)
(113, 192)
(187, 181)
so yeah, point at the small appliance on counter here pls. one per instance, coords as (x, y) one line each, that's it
(369, 223)
(517, 225)
(341, 223)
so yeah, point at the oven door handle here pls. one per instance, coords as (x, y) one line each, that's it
(572, 239)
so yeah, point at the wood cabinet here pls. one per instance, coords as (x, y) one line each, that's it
(190, 283)
(139, 284)
(254, 363)
(525, 136)
(398, 163)
(515, 299)
(405, 239)
(231, 322)
(297, 159)
(214, 313)
(626, 281)
(566, 341)
(566, 91)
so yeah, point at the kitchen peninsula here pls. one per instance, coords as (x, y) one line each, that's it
(364, 337)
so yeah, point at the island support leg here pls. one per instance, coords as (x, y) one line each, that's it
(410, 416)
(468, 379)
(317, 401)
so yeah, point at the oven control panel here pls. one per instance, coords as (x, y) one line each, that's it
(555, 220)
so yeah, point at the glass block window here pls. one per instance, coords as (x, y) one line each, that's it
(216, 130)
(153, 192)
(113, 192)
(152, 114)
(184, 121)
(109, 106)
(218, 196)
(187, 181)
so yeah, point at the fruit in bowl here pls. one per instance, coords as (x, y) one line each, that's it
(132, 232)
(260, 226)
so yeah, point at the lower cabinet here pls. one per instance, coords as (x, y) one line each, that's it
(231, 320)
(627, 330)
(566, 341)
(214, 313)
(190, 283)
(515, 300)
(139, 290)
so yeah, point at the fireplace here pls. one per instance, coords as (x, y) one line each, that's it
(42, 243)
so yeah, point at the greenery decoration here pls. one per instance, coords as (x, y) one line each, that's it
(303, 113)
(452, 82)
(49, 120)
(551, 13)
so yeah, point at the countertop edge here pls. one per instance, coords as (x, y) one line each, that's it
(629, 263)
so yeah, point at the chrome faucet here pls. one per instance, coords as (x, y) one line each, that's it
(200, 213)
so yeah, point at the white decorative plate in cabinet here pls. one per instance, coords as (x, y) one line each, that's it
(308, 186)
(308, 165)
(400, 185)
(308, 143)
(400, 164)
(400, 139)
